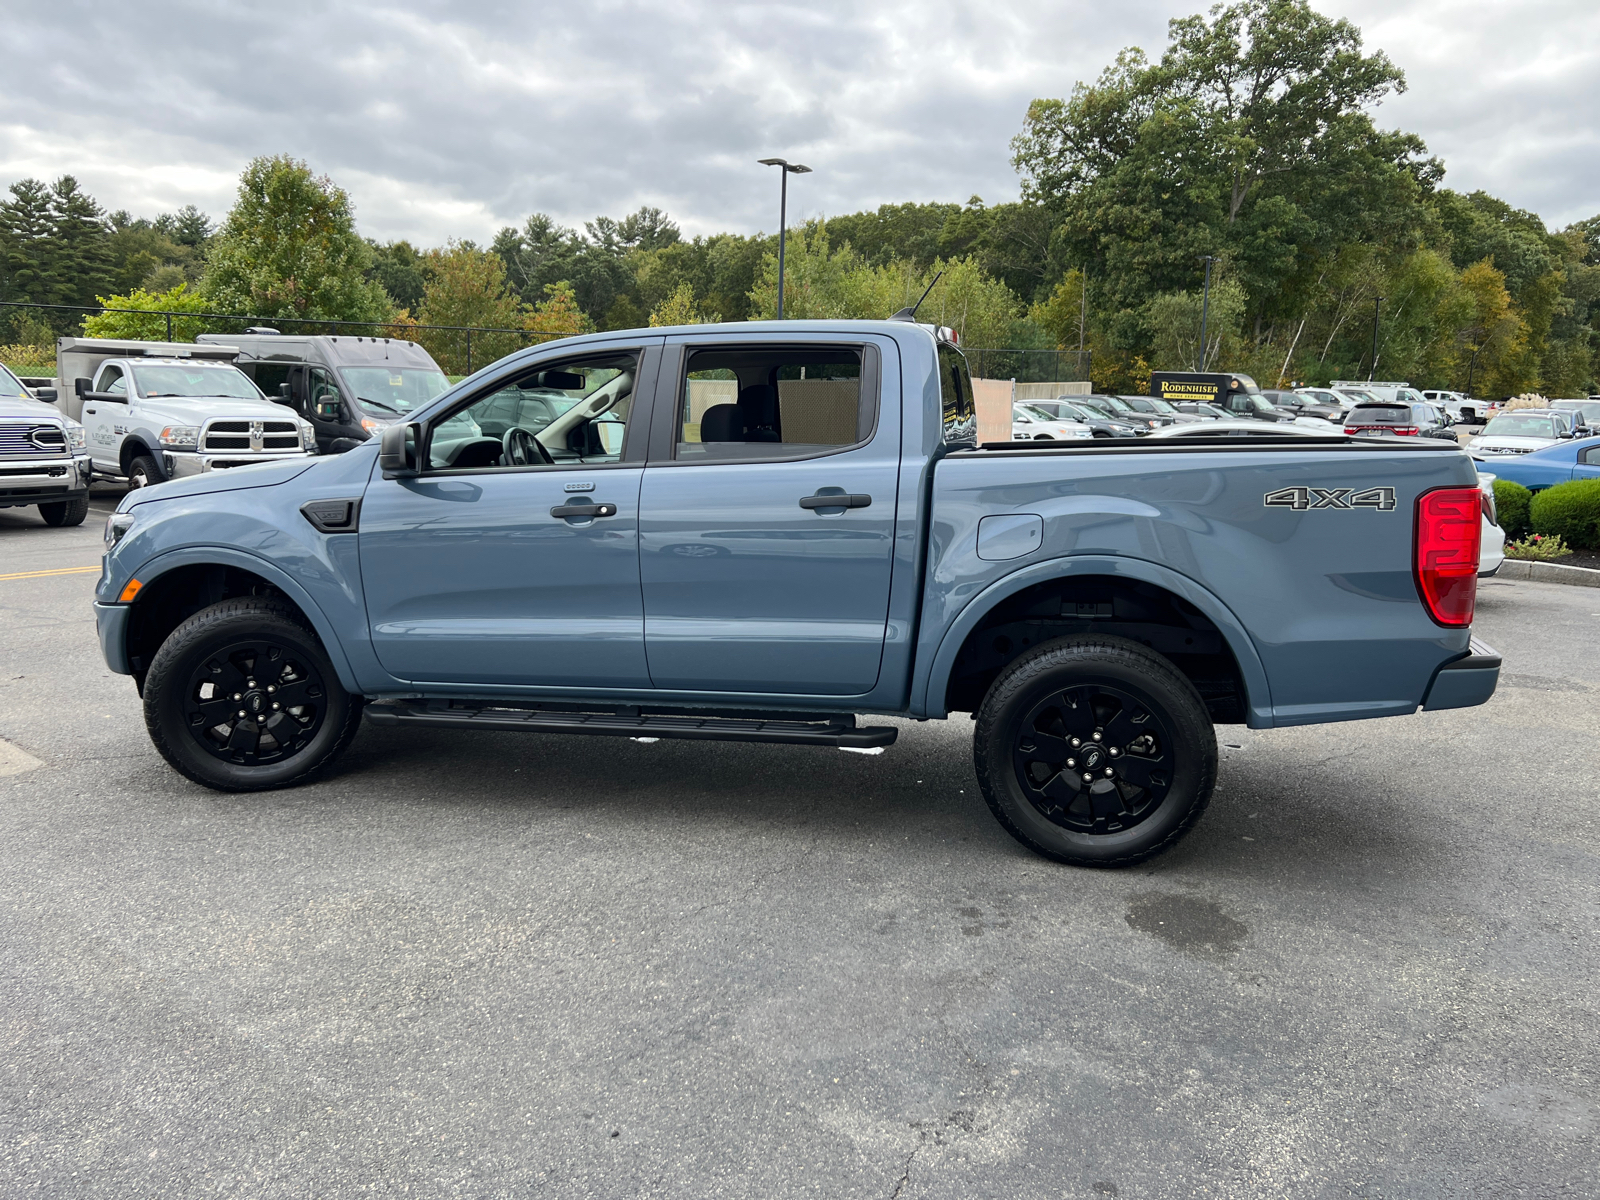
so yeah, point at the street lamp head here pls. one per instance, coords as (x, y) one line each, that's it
(792, 168)
(797, 169)
(772, 162)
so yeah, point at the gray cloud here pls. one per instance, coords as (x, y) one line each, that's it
(453, 119)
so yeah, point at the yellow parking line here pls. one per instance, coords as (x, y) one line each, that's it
(41, 574)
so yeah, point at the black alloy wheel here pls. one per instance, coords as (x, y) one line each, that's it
(255, 702)
(1094, 758)
(241, 697)
(1095, 751)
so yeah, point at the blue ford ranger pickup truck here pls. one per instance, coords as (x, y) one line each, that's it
(756, 533)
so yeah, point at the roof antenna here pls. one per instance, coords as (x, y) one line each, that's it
(910, 314)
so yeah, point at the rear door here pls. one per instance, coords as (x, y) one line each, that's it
(767, 514)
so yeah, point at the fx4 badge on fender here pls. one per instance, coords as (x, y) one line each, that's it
(1301, 498)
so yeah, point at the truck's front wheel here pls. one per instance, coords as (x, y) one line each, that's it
(1095, 751)
(65, 512)
(241, 697)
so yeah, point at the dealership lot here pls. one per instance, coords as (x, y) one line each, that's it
(495, 964)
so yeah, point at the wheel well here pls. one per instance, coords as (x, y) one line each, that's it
(132, 448)
(1103, 604)
(171, 599)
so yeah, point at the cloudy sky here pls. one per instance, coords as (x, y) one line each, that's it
(452, 119)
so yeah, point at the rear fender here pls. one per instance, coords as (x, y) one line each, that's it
(933, 678)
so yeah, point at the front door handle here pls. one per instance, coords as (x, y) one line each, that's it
(835, 500)
(584, 510)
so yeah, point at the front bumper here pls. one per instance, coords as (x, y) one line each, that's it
(1466, 682)
(181, 463)
(111, 623)
(43, 481)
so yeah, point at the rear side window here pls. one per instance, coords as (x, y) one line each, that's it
(955, 393)
(774, 402)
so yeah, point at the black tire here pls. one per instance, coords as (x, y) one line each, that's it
(65, 512)
(143, 471)
(1165, 763)
(200, 673)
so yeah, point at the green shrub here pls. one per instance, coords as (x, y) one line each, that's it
(1537, 546)
(1570, 511)
(1511, 505)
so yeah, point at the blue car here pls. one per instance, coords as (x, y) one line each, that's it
(1577, 459)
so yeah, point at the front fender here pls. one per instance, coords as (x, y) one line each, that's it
(933, 677)
(154, 568)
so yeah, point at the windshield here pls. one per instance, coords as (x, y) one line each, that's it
(1112, 404)
(10, 385)
(1161, 406)
(194, 380)
(1521, 425)
(1038, 414)
(394, 389)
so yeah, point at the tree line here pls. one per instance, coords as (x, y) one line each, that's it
(1249, 145)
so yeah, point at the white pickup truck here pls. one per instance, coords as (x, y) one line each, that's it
(153, 411)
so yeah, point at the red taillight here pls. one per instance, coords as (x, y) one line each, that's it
(1406, 430)
(1449, 528)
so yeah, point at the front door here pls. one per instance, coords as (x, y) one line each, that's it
(753, 580)
(506, 561)
(105, 422)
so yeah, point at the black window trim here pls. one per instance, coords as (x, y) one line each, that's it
(674, 379)
(633, 437)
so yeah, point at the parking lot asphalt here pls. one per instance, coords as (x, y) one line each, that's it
(505, 965)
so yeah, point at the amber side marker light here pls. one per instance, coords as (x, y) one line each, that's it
(1449, 527)
(129, 591)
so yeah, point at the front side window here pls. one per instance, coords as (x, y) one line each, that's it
(111, 380)
(161, 380)
(572, 413)
(773, 402)
(10, 385)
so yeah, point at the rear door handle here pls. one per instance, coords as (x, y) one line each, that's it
(584, 510)
(835, 500)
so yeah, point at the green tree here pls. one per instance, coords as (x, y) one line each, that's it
(134, 315)
(402, 271)
(289, 249)
(680, 309)
(467, 289)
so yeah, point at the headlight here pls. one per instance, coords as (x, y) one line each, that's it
(181, 437)
(1083, 433)
(308, 435)
(117, 526)
(74, 433)
(373, 427)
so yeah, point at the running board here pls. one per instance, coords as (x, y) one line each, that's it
(839, 731)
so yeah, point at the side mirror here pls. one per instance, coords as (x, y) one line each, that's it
(283, 393)
(329, 410)
(343, 445)
(47, 394)
(397, 450)
(80, 386)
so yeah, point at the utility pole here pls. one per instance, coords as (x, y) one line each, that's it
(783, 211)
(1205, 304)
(1377, 304)
(1083, 311)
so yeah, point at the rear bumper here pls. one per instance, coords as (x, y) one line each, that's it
(43, 482)
(1466, 682)
(180, 464)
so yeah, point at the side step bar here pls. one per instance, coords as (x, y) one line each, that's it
(839, 731)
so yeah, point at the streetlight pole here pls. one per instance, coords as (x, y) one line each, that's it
(1205, 304)
(1377, 304)
(783, 211)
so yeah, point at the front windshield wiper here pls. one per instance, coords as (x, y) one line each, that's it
(380, 404)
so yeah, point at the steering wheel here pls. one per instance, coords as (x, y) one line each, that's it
(519, 448)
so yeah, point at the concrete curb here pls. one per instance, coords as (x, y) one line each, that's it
(1548, 572)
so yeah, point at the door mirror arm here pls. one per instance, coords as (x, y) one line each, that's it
(399, 450)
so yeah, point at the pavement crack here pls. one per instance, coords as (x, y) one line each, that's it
(905, 1175)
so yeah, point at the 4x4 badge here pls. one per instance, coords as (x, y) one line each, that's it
(1302, 498)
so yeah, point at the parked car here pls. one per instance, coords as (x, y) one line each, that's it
(1568, 459)
(1397, 419)
(1099, 607)
(1117, 409)
(1523, 430)
(1102, 426)
(1460, 407)
(1299, 404)
(349, 388)
(1588, 414)
(43, 460)
(1035, 425)
(1154, 406)
(1199, 408)
(154, 411)
(1492, 543)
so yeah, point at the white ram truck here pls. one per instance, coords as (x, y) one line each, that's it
(154, 411)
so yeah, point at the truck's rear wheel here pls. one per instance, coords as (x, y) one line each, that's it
(241, 697)
(65, 512)
(1095, 751)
